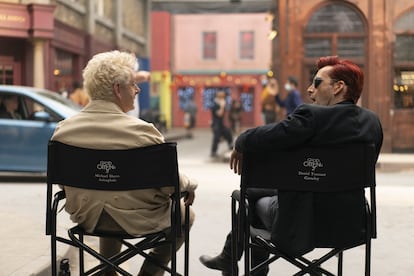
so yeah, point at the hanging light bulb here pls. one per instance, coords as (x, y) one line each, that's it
(272, 34)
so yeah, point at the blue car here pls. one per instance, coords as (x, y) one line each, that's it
(28, 118)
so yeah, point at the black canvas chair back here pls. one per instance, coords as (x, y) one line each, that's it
(321, 203)
(153, 166)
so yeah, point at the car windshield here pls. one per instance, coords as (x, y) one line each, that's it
(57, 97)
(64, 104)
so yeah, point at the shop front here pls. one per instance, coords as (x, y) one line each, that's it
(25, 31)
(38, 50)
(202, 89)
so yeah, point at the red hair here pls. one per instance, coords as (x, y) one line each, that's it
(346, 71)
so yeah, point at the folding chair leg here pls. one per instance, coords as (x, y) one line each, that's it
(313, 265)
(79, 243)
(81, 257)
(340, 263)
(187, 240)
(266, 262)
(53, 255)
(368, 258)
(234, 239)
(247, 244)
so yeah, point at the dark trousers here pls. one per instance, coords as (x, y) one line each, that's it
(265, 211)
(218, 132)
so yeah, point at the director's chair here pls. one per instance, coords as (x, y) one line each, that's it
(322, 204)
(147, 167)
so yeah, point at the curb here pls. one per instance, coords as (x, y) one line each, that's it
(394, 166)
(394, 162)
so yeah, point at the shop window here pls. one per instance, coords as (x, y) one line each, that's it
(63, 71)
(318, 47)
(246, 99)
(403, 85)
(184, 95)
(335, 29)
(351, 47)
(247, 45)
(209, 93)
(404, 45)
(6, 74)
(404, 89)
(335, 18)
(209, 45)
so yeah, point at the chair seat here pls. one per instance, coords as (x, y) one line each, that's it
(116, 234)
(265, 234)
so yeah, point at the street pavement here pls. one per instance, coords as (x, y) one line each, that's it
(26, 248)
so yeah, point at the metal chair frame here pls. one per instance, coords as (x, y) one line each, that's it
(281, 170)
(158, 167)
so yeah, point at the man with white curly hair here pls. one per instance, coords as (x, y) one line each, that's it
(110, 80)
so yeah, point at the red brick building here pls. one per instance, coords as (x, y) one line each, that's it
(376, 34)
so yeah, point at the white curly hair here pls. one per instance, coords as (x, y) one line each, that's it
(106, 69)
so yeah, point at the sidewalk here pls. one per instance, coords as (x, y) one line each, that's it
(26, 248)
(386, 161)
(395, 162)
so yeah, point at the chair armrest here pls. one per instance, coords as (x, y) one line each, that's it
(52, 212)
(264, 243)
(236, 195)
(59, 195)
(184, 194)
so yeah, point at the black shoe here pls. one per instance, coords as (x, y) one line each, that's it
(219, 263)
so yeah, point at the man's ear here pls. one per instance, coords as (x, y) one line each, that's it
(339, 87)
(116, 91)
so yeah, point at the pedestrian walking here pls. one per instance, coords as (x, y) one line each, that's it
(269, 106)
(235, 116)
(292, 99)
(190, 111)
(220, 130)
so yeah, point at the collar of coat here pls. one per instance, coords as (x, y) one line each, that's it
(101, 106)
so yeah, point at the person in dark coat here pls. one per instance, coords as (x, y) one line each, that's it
(220, 130)
(293, 98)
(333, 118)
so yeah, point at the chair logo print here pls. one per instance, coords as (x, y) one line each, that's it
(312, 175)
(313, 162)
(107, 166)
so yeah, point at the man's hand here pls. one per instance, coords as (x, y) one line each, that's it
(142, 76)
(189, 199)
(236, 159)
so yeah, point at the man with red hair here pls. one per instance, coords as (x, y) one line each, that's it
(333, 118)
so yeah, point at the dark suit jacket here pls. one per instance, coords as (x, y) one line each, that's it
(316, 125)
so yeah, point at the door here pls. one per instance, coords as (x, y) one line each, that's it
(9, 71)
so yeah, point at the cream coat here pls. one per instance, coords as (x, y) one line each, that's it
(103, 125)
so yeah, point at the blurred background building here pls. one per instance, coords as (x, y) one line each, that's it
(376, 34)
(46, 43)
(199, 47)
(204, 52)
(193, 48)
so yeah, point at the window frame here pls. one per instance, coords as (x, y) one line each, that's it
(246, 47)
(209, 48)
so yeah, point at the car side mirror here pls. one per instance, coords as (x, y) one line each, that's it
(41, 116)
